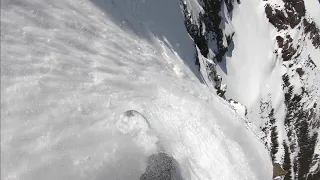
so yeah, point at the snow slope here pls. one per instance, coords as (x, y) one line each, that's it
(251, 62)
(267, 54)
(272, 68)
(70, 69)
(312, 7)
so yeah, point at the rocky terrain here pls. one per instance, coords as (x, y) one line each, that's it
(288, 121)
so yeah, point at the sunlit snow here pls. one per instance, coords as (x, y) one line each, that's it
(313, 8)
(71, 69)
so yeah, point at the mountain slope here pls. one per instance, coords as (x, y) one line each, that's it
(267, 53)
(71, 70)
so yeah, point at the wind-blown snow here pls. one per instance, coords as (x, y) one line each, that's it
(70, 69)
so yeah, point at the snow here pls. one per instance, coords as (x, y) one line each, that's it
(71, 69)
(251, 62)
(313, 52)
(313, 8)
(277, 3)
(239, 108)
(226, 24)
(253, 71)
(195, 8)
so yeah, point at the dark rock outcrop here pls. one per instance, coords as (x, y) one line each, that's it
(207, 28)
(302, 113)
(310, 27)
(287, 49)
(290, 16)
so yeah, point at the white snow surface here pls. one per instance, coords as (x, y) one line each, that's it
(251, 68)
(70, 69)
(313, 8)
(253, 72)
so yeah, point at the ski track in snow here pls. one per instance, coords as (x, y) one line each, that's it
(69, 70)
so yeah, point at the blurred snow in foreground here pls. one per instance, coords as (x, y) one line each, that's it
(70, 69)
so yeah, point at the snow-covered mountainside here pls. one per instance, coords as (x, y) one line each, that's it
(266, 56)
(170, 89)
(109, 89)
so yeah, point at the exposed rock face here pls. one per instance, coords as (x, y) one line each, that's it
(208, 35)
(209, 27)
(278, 171)
(310, 27)
(287, 49)
(302, 124)
(290, 16)
(302, 114)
